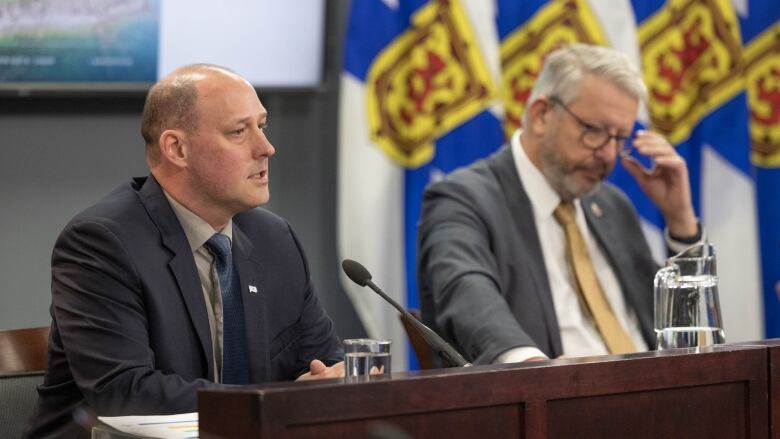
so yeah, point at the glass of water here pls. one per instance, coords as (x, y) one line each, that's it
(365, 358)
(687, 308)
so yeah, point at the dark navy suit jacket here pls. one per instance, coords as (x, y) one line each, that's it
(130, 332)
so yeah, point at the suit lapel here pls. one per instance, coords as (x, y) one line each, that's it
(181, 264)
(251, 273)
(520, 208)
(602, 223)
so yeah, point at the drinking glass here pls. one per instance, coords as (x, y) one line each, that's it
(366, 358)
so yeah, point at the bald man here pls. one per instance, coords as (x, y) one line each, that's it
(178, 281)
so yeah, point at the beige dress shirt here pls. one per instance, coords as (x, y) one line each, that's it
(198, 231)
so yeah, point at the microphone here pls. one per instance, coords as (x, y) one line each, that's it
(358, 274)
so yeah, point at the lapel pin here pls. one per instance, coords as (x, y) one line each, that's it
(252, 289)
(596, 209)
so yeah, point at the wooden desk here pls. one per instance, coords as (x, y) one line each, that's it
(773, 354)
(722, 392)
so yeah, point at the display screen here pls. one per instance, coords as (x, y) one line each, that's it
(126, 45)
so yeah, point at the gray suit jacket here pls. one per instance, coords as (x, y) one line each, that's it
(130, 332)
(481, 275)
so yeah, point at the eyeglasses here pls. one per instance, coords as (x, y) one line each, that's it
(594, 137)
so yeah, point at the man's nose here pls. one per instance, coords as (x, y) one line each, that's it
(612, 148)
(263, 146)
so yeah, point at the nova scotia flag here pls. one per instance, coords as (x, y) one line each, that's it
(419, 98)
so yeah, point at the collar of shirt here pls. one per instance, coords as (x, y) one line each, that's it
(543, 197)
(197, 230)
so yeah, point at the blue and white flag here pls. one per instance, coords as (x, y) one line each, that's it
(694, 59)
(760, 27)
(419, 98)
(429, 86)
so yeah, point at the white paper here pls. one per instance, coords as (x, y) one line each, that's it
(179, 426)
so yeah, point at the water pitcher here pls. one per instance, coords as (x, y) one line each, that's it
(687, 309)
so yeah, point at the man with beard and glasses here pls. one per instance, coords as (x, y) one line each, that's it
(529, 253)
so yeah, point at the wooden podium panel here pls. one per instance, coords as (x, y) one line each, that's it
(773, 347)
(713, 411)
(719, 392)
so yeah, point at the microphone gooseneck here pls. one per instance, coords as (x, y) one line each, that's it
(360, 275)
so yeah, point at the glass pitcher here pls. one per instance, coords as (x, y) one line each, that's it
(687, 309)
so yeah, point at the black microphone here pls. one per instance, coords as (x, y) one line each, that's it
(358, 274)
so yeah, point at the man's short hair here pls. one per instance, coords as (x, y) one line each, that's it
(171, 104)
(564, 69)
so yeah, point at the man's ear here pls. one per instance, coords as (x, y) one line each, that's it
(539, 115)
(174, 147)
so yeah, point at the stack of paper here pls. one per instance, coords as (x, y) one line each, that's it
(180, 426)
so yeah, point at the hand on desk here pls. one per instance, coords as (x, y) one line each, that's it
(318, 370)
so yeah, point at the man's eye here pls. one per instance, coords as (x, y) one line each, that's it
(239, 131)
(594, 130)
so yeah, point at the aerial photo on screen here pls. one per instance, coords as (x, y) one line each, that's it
(74, 41)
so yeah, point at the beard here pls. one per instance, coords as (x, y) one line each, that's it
(566, 176)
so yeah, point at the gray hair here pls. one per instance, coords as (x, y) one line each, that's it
(564, 69)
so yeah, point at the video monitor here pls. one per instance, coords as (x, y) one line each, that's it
(126, 45)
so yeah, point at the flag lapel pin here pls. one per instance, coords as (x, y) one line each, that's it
(596, 209)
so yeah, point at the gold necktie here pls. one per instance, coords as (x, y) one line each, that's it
(615, 337)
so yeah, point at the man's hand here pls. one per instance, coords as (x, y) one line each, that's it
(318, 370)
(666, 184)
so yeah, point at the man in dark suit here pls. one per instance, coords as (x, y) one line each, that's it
(529, 254)
(147, 307)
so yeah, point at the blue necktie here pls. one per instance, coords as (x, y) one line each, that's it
(235, 360)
